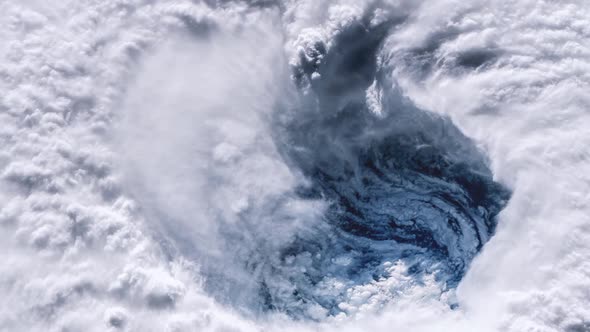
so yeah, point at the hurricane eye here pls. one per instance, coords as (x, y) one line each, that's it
(404, 187)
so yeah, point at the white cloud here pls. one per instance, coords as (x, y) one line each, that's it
(81, 250)
(527, 108)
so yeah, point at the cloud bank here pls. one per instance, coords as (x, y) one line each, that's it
(143, 188)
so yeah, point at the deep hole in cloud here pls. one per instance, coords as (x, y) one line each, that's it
(404, 185)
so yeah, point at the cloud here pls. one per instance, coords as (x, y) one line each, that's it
(517, 107)
(128, 134)
(75, 245)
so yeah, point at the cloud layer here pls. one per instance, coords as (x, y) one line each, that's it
(135, 132)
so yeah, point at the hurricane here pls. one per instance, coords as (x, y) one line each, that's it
(294, 165)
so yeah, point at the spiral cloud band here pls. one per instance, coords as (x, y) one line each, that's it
(294, 165)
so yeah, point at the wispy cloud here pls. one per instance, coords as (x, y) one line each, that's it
(138, 166)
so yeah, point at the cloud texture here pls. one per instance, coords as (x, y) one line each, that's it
(140, 170)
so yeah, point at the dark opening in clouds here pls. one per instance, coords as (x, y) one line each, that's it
(404, 185)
